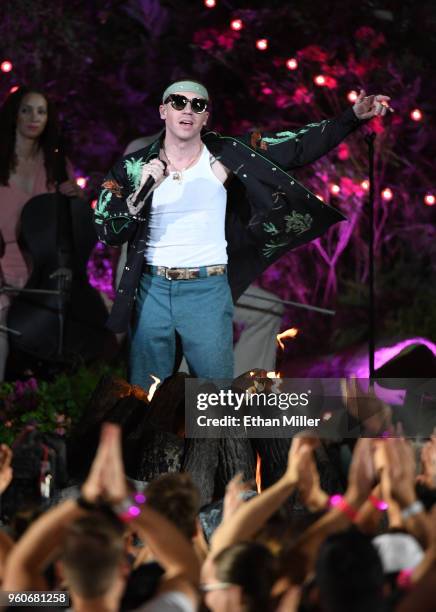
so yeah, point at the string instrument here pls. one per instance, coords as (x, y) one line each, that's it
(66, 320)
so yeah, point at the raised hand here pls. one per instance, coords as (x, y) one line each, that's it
(367, 107)
(106, 480)
(367, 408)
(233, 497)
(361, 476)
(301, 449)
(428, 460)
(309, 486)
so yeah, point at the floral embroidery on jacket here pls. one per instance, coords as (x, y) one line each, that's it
(113, 187)
(133, 169)
(271, 247)
(298, 223)
(102, 204)
(270, 228)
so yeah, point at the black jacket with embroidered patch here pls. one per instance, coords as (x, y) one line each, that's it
(268, 211)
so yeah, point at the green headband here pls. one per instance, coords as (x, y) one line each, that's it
(185, 86)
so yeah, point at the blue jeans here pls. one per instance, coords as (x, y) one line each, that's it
(200, 310)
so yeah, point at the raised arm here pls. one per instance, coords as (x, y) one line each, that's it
(251, 515)
(360, 480)
(295, 148)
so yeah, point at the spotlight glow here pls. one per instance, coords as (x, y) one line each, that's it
(292, 63)
(6, 66)
(262, 44)
(13, 89)
(365, 185)
(352, 95)
(236, 24)
(319, 80)
(210, 3)
(335, 189)
(416, 115)
(93, 204)
(387, 194)
(430, 199)
(81, 181)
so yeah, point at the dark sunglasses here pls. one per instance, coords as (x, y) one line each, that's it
(178, 102)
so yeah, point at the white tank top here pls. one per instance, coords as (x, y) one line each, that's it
(186, 226)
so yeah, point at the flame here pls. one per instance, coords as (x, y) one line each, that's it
(273, 374)
(258, 473)
(153, 387)
(289, 333)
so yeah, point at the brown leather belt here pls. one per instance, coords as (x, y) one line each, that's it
(185, 273)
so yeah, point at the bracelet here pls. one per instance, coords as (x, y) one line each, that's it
(338, 502)
(379, 504)
(404, 579)
(415, 507)
(130, 507)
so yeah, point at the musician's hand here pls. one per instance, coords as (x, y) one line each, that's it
(154, 168)
(367, 107)
(71, 189)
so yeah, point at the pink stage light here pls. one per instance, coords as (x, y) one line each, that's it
(81, 181)
(13, 89)
(319, 80)
(6, 66)
(262, 44)
(430, 199)
(267, 91)
(210, 3)
(291, 63)
(352, 95)
(387, 194)
(236, 24)
(359, 365)
(335, 189)
(416, 115)
(365, 185)
(319, 196)
(93, 203)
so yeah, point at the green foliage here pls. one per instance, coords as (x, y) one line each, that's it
(50, 406)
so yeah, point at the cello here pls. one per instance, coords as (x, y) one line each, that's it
(59, 317)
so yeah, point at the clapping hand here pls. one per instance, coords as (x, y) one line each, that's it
(106, 480)
(428, 460)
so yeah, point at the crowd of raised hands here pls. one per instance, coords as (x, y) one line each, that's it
(373, 546)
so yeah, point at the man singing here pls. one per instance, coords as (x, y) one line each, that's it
(220, 211)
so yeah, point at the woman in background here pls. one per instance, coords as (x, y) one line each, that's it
(30, 164)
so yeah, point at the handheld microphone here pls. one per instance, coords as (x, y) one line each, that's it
(149, 182)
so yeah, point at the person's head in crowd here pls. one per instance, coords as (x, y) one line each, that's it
(27, 114)
(177, 498)
(93, 560)
(349, 574)
(240, 578)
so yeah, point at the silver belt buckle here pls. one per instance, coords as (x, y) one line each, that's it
(167, 271)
